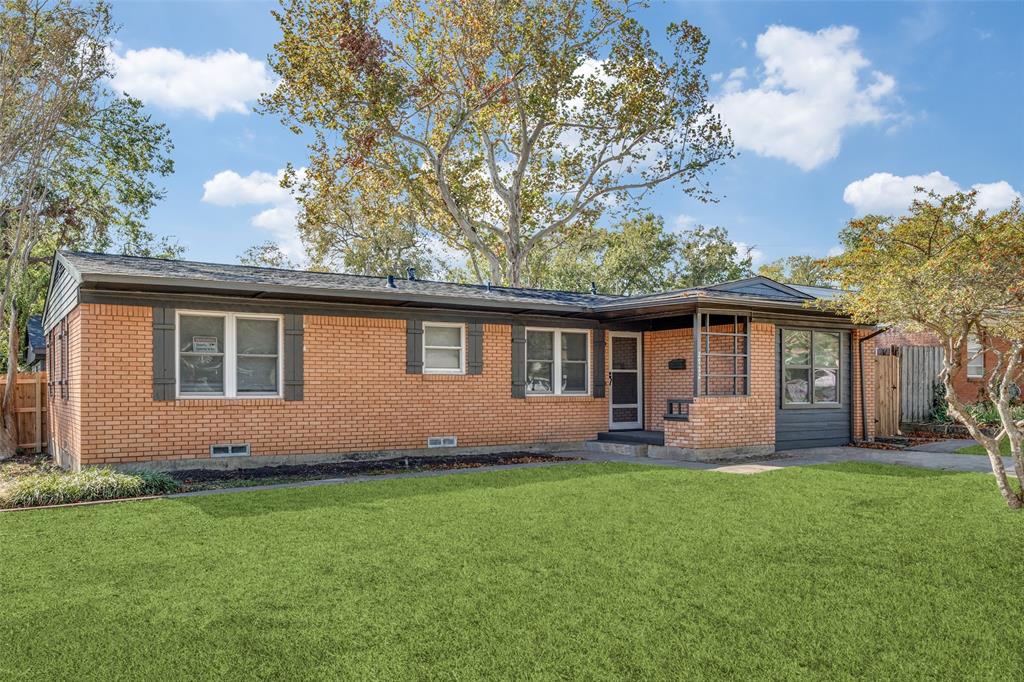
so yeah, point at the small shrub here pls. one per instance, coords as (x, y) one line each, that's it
(62, 487)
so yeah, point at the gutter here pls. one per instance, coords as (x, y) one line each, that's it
(863, 388)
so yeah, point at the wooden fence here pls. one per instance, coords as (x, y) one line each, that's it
(25, 425)
(919, 375)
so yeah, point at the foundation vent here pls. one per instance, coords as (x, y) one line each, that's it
(442, 441)
(229, 450)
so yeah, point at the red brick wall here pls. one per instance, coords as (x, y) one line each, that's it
(358, 397)
(869, 385)
(661, 383)
(735, 421)
(65, 415)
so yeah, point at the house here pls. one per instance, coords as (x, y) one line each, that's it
(183, 364)
(35, 344)
(970, 381)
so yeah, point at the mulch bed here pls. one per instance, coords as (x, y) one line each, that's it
(204, 479)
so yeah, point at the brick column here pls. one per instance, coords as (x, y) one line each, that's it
(868, 388)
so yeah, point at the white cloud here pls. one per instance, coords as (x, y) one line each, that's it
(209, 84)
(228, 188)
(744, 249)
(836, 250)
(684, 222)
(885, 193)
(735, 80)
(813, 90)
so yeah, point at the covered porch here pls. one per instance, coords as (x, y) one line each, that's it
(696, 384)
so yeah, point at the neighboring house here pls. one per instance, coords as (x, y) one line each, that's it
(970, 380)
(35, 344)
(179, 363)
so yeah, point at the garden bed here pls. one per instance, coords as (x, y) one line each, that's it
(207, 479)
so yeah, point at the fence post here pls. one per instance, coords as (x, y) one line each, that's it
(39, 414)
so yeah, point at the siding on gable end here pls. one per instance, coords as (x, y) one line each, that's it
(811, 427)
(62, 297)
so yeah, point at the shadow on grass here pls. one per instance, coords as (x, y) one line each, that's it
(371, 493)
(890, 470)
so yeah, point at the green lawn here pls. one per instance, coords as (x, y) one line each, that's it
(1004, 448)
(596, 571)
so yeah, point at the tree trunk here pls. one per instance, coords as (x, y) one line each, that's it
(6, 405)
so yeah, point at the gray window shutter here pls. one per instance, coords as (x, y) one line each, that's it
(475, 349)
(413, 347)
(163, 353)
(598, 355)
(518, 361)
(294, 343)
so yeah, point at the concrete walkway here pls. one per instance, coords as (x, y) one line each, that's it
(791, 458)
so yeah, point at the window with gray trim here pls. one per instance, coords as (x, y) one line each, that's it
(557, 362)
(444, 348)
(810, 367)
(228, 355)
(724, 354)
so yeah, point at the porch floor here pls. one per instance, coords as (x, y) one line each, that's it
(633, 436)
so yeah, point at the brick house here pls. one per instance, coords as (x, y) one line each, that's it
(176, 363)
(976, 362)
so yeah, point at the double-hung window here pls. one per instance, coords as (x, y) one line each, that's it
(557, 362)
(444, 348)
(810, 367)
(975, 358)
(229, 355)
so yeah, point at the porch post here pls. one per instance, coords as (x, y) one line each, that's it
(696, 352)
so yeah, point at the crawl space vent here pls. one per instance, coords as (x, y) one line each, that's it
(442, 441)
(229, 450)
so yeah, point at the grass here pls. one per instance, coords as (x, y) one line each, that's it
(978, 449)
(41, 484)
(590, 571)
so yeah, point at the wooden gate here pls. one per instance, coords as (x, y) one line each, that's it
(25, 426)
(887, 394)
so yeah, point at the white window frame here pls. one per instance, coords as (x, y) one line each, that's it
(462, 348)
(975, 356)
(230, 355)
(556, 371)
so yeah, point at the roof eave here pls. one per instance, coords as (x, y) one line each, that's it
(399, 297)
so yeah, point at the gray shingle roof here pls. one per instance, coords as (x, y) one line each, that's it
(100, 266)
(162, 274)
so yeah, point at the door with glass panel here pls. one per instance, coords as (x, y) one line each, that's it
(626, 389)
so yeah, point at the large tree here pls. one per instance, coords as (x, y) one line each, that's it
(638, 256)
(956, 272)
(77, 161)
(513, 122)
(806, 270)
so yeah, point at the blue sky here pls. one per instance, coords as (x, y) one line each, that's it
(837, 109)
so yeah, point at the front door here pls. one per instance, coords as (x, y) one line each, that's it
(626, 384)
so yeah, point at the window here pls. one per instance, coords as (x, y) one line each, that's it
(230, 355)
(724, 354)
(443, 348)
(810, 367)
(975, 358)
(557, 362)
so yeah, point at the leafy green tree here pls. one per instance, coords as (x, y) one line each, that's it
(806, 270)
(640, 256)
(956, 272)
(709, 257)
(77, 161)
(513, 122)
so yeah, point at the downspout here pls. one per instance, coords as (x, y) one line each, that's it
(863, 387)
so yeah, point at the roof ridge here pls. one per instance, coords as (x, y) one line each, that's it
(484, 287)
